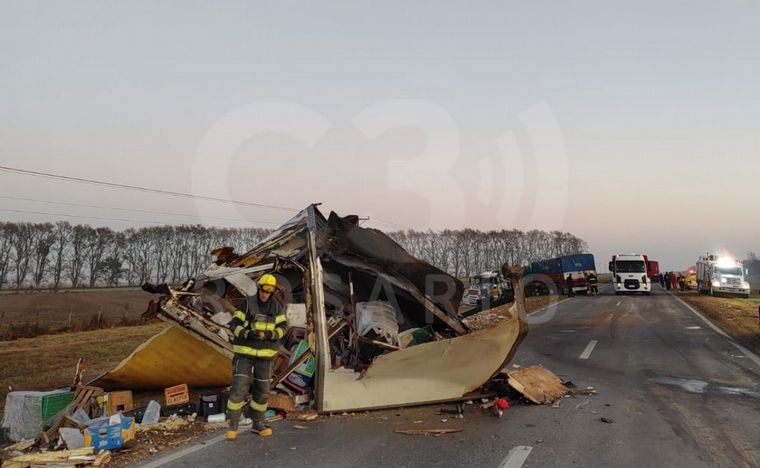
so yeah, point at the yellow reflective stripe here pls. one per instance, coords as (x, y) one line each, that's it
(258, 406)
(239, 315)
(263, 326)
(280, 318)
(265, 353)
(238, 329)
(235, 406)
(280, 333)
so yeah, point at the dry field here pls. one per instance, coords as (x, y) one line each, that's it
(737, 317)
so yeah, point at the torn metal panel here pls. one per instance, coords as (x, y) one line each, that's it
(171, 357)
(427, 373)
(383, 254)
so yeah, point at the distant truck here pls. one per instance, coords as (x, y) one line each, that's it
(557, 270)
(722, 275)
(489, 289)
(630, 274)
(653, 269)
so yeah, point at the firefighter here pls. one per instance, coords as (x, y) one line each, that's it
(593, 284)
(258, 331)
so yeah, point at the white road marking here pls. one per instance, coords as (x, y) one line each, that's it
(589, 349)
(618, 304)
(754, 357)
(694, 328)
(516, 457)
(177, 455)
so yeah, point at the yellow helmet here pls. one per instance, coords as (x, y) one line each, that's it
(268, 283)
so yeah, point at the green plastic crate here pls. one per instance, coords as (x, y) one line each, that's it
(53, 404)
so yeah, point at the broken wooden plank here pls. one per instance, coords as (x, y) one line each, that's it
(427, 432)
(537, 384)
(378, 344)
(65, 457)
(20, 446)
(82, 398)
(103, 457)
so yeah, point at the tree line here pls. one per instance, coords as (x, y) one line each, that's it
(56, 255)
(47, 255)
(467, 252)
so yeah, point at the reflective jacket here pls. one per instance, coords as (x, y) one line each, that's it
(268, 317)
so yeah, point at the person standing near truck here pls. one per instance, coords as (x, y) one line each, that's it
(593, 284)
(570, 285)
(258, 331)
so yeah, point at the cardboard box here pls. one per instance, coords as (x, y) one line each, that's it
(119, 401)
(107, 435)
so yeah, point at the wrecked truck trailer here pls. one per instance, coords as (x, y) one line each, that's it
(370, 325)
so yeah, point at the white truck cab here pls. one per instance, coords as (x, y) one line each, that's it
(629, 274)
(722, 275)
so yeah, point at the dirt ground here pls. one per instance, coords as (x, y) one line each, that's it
(49, 361)
(52, 309)
(737, 317)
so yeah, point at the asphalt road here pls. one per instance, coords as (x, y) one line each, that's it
(677, 393)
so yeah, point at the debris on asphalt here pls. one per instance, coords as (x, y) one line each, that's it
(537, 384)
(70, 458)
(606, 420)
(427, 432)
(498, 407)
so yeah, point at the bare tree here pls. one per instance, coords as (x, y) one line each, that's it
(62, 233)
(43, 238)
(79, 239)
(6, 246)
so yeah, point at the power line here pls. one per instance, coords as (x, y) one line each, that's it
(82, 216)
(397, 226)
(138, 188)
(50, 202)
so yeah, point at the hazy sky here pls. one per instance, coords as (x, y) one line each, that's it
(635, 127)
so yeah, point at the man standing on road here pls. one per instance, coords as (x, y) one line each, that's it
(673, 280)
(662, 280)
(668, 284)
(257, 332)
(593, 284)
(570, 286)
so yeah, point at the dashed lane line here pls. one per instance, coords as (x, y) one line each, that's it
(516, 457)
(589, 349)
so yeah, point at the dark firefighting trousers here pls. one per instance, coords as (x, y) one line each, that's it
(249, 375)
